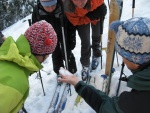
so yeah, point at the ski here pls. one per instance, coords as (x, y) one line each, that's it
(110, 52)
(54, 99)
(59, 98)
(62, 103)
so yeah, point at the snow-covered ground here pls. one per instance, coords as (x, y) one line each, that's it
(38, 103)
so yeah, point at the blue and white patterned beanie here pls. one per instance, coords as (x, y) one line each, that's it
(133, 39)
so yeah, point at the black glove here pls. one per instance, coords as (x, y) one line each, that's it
(71, 35)
(99, 12)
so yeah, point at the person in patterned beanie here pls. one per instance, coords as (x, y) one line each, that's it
(133, 44)
(20, 59)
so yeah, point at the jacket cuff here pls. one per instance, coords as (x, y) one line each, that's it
(79, 85)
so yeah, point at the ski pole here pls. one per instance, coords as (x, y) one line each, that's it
(41, 82)
(133, 6)
(24, 110)
(121, 73)
(117, 59)
(120, 3)
(101, 33)
(63, 34)
(115, 10)
(64, 39)
(108, 4)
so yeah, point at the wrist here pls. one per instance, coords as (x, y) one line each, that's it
(75, 82)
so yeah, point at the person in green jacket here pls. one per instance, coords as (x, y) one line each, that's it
(21, 58)
(133, 44)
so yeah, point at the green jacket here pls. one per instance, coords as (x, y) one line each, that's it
(16, 64)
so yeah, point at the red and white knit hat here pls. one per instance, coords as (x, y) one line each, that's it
(42, 38)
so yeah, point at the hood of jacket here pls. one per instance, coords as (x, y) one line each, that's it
(140, 80)
(19, 52)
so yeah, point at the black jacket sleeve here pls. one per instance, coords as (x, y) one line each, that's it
(91, 95)
(99, 12)
(35, 14)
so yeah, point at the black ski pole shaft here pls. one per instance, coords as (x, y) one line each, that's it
(107, 90)
(133, 6)
(117, 59)
(121, 73)
(101, 33)
(23, 109)
(41, 82)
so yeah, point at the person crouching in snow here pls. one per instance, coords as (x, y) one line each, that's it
(20, 59)
(133, 44)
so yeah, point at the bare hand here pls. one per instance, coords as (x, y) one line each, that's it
(68, 78)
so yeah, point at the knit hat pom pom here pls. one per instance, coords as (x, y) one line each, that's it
(48, 42)
(114, 25)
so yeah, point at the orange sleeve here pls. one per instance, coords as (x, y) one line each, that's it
(76, 20)
(79, 17)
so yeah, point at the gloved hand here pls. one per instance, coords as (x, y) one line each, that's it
(99, 12)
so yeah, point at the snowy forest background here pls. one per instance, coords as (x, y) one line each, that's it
(13, 10)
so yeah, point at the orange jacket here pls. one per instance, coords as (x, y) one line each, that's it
(79, 16)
